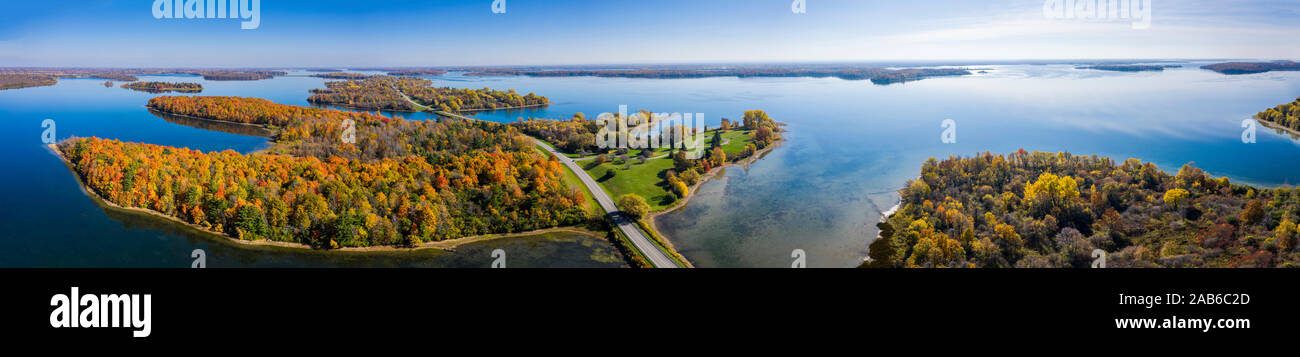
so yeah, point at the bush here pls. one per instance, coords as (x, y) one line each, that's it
(634, 205)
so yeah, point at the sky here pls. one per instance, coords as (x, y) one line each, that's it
(337, 33)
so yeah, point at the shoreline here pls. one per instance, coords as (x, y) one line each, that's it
(429, 110)
(1269, 124)
(653, 221)
(449, 245)
(265, 127)
(547, 104)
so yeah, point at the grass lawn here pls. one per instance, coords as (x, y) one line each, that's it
(739, 138)
(645, 180)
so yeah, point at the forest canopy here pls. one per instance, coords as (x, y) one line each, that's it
(1285, 115)
(391, 93)
(1053, 210)
(164, 87)
(400, 183)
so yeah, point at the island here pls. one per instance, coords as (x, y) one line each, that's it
(417, 72)
(340, 75)
(409, 94)
(121, 75)
(248, 75)
(21, 80)
(1040, 210)
(164, 87)
(1231, 68)
(879, 76)
(406, 71)
(1129, 68)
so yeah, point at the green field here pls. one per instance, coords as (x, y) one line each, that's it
(645, 180)
(739, 138)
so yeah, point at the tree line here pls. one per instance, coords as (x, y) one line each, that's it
(1286, 115)
(390, 93)
(164, 87)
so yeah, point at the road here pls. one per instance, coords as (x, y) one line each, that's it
(629, 227)
(624, 223)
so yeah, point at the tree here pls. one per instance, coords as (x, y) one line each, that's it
(717, 157)
(1253, 213)
(1175, 197)
(763, 137)
(754, 119)
(1051, 193)
(916, 191)
(680, 162)
(634, 205)
(680, 189)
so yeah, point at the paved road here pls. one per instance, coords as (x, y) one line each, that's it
(629, 227)
(626, 224)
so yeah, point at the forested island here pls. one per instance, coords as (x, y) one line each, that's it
(876, 75)
(405, 71)
(1039, 210)
(390, 93)
(121, 75)
(1252, 67)
(164, 87)
(340, 75)
(401, 183)
(1129, 68)
(239, 75)
(20, 80)
(129, 74)
(417, 72)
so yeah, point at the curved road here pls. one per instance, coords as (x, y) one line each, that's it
(626, 224)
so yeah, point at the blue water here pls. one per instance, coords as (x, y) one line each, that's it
(850, 145)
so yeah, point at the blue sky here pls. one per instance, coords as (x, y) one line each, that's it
(107, 33)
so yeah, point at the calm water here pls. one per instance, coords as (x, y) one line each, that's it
(851, 145)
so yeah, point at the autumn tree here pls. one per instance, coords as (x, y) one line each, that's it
(634, 205)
